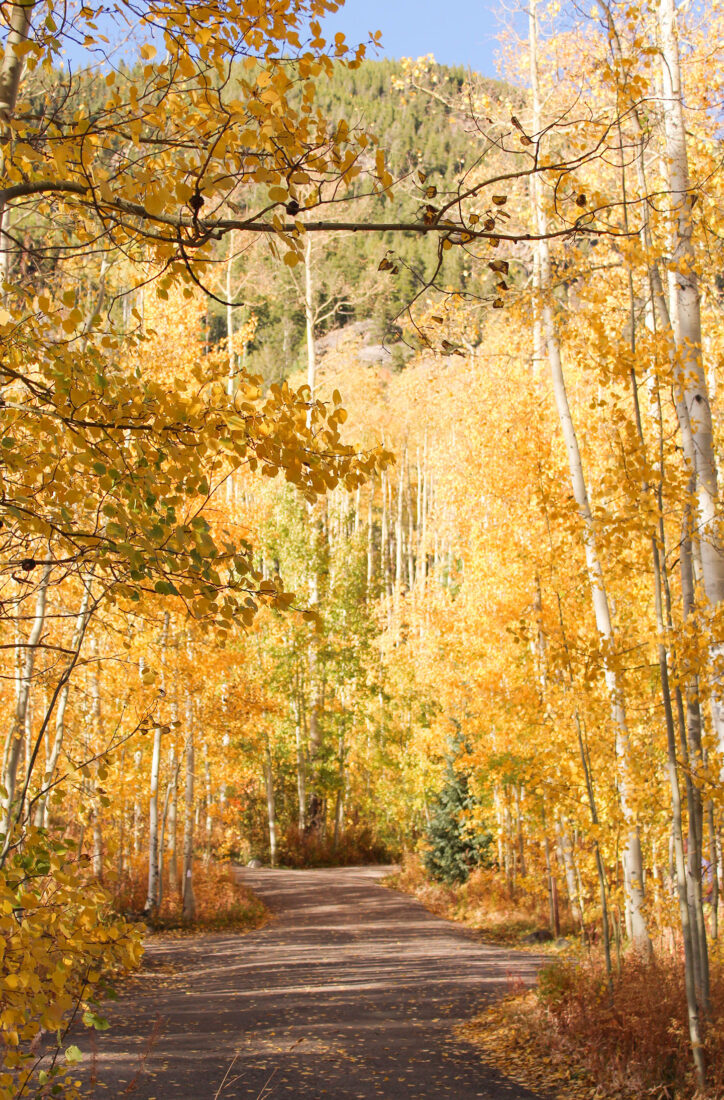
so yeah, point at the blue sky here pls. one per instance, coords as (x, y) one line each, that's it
(457, 32)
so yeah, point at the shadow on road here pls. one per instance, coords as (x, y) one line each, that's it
(352, 991)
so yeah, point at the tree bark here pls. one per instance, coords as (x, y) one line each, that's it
(270, 801)
(691, 377)
(634, 878)
(81, 624)
(14, 738)
(153, 846)
(173, 880)
(189, 900)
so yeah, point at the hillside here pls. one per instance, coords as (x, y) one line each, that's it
(421, 133)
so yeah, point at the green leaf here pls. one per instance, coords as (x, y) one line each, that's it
(92, 1019)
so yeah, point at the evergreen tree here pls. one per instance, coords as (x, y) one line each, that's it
(457, 846)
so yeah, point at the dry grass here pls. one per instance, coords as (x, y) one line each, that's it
(482, 903)
(221, 900)
(356, 845)
(574, 1035)
(571, 1035)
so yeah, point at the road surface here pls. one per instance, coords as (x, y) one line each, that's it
(351, 992)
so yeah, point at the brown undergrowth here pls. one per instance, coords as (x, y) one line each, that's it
(222, 902)
(482, 903)
(356, 845)
(571, 1036)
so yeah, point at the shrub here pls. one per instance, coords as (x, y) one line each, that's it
(356, 845)
(627, 1043)
(221, 900)
(60, 942)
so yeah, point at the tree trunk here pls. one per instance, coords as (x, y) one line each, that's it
(309, 319)
(97, 856)
(714, 872)
(153, 846)
(301, 766)
(688, 933)
(691, 377)
(565, 848)
(634, 878)
(370, 543)
(270, 801)
(189, 901)
(81, 624)
(208, 820)
(14, 738)
(173, 881)
(553, 914)
(162, 839)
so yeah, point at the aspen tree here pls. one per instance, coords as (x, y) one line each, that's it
(53, 756)
(267, 765)
(686, 302)
(633, 856)
(152, 902)
(188, 897)
(14, 737)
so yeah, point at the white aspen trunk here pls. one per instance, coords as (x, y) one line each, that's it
(411, 536)
(714, 862)
(341, 792)
(398, 530)
(314, 819)
(53, 756)
(14, 737)
(189, 901)
(152, 893)
(384, 561)
(137, 812)
(208, 821)
(270, 801)
(691, 948)
(121, 862)
(230, 381)
(398, 579)
(153, 846)
(173, 881)
(231, 351)
(565, 849)
(97, 714)
(509, 853)
(686, 308)
(162, 839)
(28, 735)
(692, 752)
(309, 318)
(519, 832)
(422, 524)
(389, 564)
(370, 542)
(11, 71)
(539, 355)
(497, 801)
(301, 767)
(553, 915)
(634, 877)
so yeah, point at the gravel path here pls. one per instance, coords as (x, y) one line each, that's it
(351, 992)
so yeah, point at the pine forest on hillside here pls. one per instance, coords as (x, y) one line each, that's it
(360, 502)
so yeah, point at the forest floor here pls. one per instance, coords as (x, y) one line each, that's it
(350, 992)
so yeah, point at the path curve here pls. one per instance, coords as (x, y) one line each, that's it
(351, 992)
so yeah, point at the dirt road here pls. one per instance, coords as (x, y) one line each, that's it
(351, 992)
